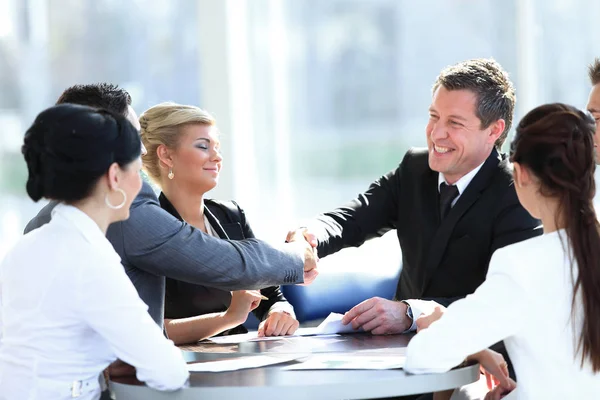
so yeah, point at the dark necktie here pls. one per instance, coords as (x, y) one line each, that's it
(447, 195)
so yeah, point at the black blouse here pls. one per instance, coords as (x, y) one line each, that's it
(183, 300)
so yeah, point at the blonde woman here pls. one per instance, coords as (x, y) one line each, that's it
(184, 160)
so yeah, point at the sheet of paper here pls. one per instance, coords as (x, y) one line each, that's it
(253, 337)
(234, 364)
(333, 324)
(348, 361)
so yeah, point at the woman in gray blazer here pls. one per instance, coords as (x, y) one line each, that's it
(184, 160)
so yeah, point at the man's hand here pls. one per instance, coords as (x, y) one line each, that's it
(310, 253)
(425, 320)
(278, 323)
(379, 316)
(302, 232)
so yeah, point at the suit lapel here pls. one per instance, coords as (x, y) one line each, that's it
(471, 194)
(214, 222)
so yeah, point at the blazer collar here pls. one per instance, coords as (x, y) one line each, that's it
(166, 205)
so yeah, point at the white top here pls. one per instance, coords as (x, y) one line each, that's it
(532, 275)
(67, 310)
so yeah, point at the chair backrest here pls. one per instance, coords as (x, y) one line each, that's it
(338, 291)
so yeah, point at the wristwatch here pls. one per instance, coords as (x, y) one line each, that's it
(409, 312)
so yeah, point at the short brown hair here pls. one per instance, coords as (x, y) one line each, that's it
(594, 72)
(490, 82)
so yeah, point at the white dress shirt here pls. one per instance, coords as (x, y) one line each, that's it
(418, 307)
(532, 275)
(460, 184)
(68, 310)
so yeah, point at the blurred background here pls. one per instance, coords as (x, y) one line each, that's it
(315, 98)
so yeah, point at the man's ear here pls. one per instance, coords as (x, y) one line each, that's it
(497, 128)
(164, 156)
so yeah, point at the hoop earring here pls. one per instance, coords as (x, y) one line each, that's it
(171, 174)
(109, 205)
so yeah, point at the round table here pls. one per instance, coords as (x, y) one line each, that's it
(273, 382)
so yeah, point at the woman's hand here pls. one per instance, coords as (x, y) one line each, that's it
(499, 392)
(278, 323)
(242, 302)
(425, 320)
(495, 369)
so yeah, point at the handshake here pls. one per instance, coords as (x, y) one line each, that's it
(308, 241)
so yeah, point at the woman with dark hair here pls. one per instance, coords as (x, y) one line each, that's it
(541, 296)
(67, 308)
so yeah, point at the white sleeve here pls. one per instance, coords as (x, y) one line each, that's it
(282, 306)
(471, 324)
(110, 304)
(417, 308)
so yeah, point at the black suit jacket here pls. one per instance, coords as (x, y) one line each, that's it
(185, 299)
(442, 260)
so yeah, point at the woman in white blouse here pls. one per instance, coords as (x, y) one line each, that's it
(67, 307)
(541, 296)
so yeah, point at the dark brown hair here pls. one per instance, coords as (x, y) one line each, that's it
(495, 92)
(556, 143)
(594, 72)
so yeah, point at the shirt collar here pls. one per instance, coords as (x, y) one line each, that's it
(463, 182)
(85, 225)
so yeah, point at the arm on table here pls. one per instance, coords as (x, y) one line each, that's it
(109, 303)
(471, 324)
(193, 329)
(512, 224)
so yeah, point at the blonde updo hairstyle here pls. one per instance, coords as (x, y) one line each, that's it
(160, 125)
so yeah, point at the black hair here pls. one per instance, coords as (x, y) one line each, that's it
(69, 147)
(100, 95)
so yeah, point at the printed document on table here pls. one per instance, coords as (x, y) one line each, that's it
(331, 326)
(234, 364)
(348, 361)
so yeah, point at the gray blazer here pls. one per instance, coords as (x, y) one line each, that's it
(153, 245)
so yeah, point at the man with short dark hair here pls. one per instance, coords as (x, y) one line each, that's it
(452, 204)
(593, 105)
(154, 244)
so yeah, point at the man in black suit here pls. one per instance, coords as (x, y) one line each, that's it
(452, 204)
